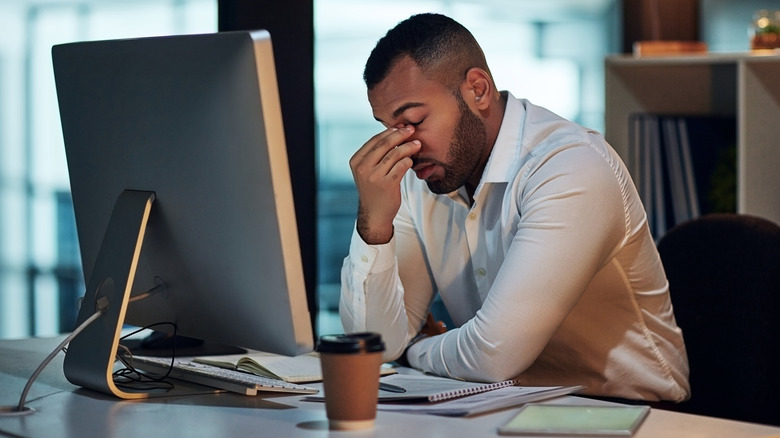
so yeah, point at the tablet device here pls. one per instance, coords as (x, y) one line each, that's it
(566, 420)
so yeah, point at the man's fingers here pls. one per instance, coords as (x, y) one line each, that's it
(377, 168)
(393, 163)
(400, 155)
(433, 327)
(378, 146)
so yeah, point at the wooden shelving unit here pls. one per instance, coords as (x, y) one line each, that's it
(745, 86)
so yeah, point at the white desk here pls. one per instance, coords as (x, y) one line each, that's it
(64, 410)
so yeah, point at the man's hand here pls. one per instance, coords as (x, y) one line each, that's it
(433, 327)
(430, 328)
(377, 168)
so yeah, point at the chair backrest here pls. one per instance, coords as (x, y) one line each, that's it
(724, 279)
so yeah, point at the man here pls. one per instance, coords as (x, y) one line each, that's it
(527, 225)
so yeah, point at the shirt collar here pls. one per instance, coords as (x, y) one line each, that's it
(505, 153)
(504, 157)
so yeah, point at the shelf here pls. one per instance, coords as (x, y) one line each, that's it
(743, 85)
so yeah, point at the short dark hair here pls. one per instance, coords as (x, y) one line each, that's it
(439, 45)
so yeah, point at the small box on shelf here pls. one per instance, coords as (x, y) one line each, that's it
(664, 48)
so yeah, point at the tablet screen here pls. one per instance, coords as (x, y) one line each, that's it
(541, 419)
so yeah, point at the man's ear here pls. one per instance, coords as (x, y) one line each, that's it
(477, 90)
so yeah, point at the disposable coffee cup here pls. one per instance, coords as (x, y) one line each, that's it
(350, 372)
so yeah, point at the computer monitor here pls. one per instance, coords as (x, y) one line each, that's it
(182, 195)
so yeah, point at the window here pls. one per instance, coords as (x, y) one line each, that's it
(548, 51)
(40, 274)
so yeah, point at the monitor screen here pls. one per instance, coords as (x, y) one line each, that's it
(194, 122)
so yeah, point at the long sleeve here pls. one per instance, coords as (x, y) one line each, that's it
(572, 223)
(372, 291)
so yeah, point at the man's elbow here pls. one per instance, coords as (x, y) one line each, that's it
(499, 373)
(497, 367)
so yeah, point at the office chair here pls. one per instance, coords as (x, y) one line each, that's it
(724, 280)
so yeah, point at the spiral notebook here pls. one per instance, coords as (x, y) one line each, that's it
(426, 388)
(488, 401)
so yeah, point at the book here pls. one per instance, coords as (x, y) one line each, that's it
(294, 369)
(674, 170)
(657, 178)
(690, 176)
(648, 169)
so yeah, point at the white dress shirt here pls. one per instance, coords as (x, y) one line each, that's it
(551, 276)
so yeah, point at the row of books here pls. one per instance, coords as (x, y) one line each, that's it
(675, 159)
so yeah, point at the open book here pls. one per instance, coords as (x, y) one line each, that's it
(296, 369)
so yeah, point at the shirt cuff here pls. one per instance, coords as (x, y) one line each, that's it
(412, 353)
(371, 258)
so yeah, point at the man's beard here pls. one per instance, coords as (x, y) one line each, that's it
(468, 143)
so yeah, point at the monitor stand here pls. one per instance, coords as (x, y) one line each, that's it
(89, 361)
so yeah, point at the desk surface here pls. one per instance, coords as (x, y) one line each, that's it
(68, 411)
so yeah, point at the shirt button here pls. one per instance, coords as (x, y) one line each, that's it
(364, 259)
(481, 272)
(472, 216)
